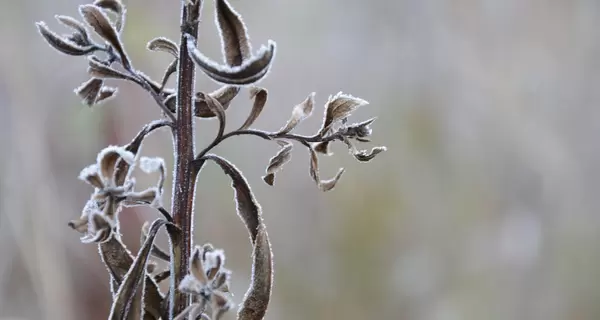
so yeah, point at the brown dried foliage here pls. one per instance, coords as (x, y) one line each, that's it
(134, 278)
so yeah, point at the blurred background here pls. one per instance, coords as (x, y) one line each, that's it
(484, 207)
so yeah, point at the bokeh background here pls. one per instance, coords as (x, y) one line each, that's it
(484, 207)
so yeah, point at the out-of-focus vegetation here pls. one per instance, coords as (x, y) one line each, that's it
(484, 207)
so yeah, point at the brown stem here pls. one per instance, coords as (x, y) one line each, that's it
(185, 174)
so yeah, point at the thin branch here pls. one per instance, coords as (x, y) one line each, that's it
(304, 140)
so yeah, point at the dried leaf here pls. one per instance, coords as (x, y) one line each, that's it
(61, 44)
(247, 207)
(156, 250)
(118, 261)
(324, 185)
(224, 95)
(164, 45)
(98, 20)
(107, 159)
(276, 163)
(234, 35)
(300, 112)
(116, 7)
(100, 70)
(172, 68)
(339, 107)
(127, 289)
(365, 156)
(75, 25)
(91, 175)
(250, 71)
(256, 300)
(260, 99)
(323, 147)
(105, 94)
(89, 90)
(215, 107)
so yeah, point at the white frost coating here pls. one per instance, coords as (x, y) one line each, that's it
(150, 165)
(88, 171)
(214, 259)
(189, 283)
(128, 156)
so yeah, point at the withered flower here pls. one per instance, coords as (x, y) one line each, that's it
(208, 280)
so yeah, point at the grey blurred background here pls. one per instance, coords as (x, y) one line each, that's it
(484, 207)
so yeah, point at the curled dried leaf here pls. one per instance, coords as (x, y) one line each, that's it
(98, 20)
(89, 90)
(107, 160)
(339, 107)
(256, 300)
(323, 147)
(366, 156)
(91, 175)
(216, 108)
(250, 71)
(300, 112)
(171, 69)
(234, 35)
(124, 296)
(283, 156)
(324, 185)
(224, 95)
(118, 261)
(164, 45)
(105, 94)
(260, 99)
(247, 207)
(62, 44)
(116, 7)
(77, 26)
(100, 70)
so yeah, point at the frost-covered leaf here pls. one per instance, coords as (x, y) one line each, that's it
(216, 108)
(250, 71)
(339, 107)
(124, 296)
(116, 7)
(100, 70)
(283, 156)
(62, 44)
(300, 112)
(260, 99)
(77, 26)
(164, 45)
(247, 207)
(224, 95)
(327, 184)
(234, 36)
(256, 300)
(98, 20)
(89, 90)
(105, 94)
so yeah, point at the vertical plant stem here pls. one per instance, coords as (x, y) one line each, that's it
(185, 173)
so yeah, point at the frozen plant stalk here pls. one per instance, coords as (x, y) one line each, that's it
(199, 282)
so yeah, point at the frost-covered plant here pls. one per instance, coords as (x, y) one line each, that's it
(199, 281)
